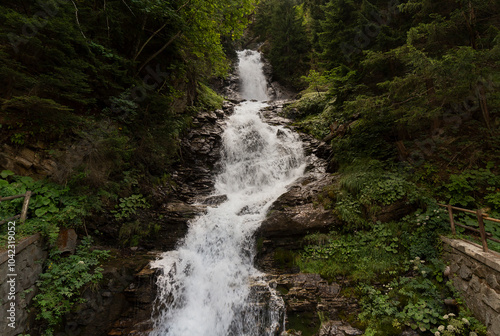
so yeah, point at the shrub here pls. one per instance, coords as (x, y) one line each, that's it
(63, 281)
(51, 205)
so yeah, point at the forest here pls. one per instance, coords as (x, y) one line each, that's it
(405, 92)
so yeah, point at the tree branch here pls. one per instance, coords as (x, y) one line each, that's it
(77, 20)
(156, 32)
(130, 9)
(149, 39)
(172, 39)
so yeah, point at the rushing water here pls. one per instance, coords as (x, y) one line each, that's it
(209, 286)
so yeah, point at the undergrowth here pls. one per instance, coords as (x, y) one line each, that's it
(64, 279)
(396, 273)
(51, 206)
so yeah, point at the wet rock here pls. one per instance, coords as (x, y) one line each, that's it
(308, 296)
(244, 211)
(348, 330)
(293, 215)
(296, 221)
(334, 328)
(183, 210)
(215, 200)
(394, 212)
(319, 148)
(297, 212)
(329, 329)
(201, 153)
(189, 191)
(207, 116)
(291, 333)
(122, 302)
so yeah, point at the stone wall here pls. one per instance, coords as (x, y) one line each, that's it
(30, 255)
(476, 275)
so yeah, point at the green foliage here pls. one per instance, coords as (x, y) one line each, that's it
(467, 188)
(32, 115)
(413, 81)
(493, 199)
(398, 271)
(133, 232)
(363, 255)
(282, 23)
(414, 301)
(365, 187)
(128, 206)
(401, 72)
(104, 151)
(422, 229)
(84, 84)
(285, 259)
(464, 324)
(316, 81)
(460, 190)
(308, 104)
(350, 211)
(51, 206)
(63, 281)
(17, 138)
(378, 187)
(208, 100)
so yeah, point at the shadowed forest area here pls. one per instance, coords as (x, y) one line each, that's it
(406, 93)
(100, 93)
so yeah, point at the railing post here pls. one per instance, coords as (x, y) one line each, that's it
(482, 231)
(24, 210)
(452, 222)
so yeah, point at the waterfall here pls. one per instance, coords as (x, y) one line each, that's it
(253, 81)
(208, 285)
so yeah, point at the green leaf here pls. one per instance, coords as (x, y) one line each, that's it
(6, 173)
(40, 212)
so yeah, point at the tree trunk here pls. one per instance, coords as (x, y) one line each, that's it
(484, 107)
(470, 21)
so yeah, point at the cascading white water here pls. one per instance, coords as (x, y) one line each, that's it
(253, 81)
(206, 286)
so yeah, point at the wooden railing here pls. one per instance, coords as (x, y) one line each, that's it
(24, 210)
(481, 217)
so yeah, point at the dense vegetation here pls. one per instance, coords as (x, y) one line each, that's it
(406, 92)
(105, 89)
(87, 72)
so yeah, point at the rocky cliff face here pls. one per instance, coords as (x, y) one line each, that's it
(27, 161)
(297, 212)
(314, 304)
(192, 182)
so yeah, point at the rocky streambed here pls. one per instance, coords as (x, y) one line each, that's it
(309, 299)
(313, 305)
